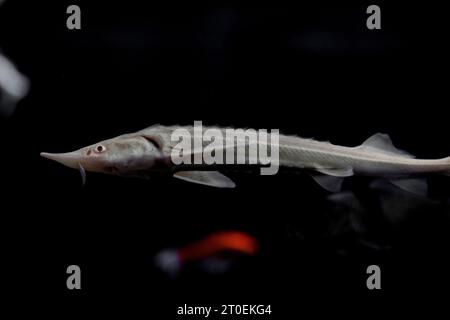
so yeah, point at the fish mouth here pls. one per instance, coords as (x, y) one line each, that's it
(69, 159)
(111, 170)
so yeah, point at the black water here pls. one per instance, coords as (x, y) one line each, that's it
(309, 69)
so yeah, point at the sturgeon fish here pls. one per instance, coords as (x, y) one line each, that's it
(148, 151)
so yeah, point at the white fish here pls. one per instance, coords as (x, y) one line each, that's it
(148, 151)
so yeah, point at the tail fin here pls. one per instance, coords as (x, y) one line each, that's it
(447, 172)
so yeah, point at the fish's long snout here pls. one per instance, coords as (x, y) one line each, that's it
(69, 159)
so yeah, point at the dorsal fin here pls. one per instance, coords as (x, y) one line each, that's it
(381, 142)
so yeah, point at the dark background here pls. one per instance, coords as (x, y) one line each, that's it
(309, 69)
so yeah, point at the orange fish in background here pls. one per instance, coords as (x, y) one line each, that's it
(207, 251)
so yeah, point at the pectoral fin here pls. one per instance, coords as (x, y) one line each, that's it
(208, 178)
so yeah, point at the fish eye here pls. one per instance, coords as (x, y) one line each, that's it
(100, 148)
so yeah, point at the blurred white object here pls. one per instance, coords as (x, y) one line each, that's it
(168, 261)
(13, 86)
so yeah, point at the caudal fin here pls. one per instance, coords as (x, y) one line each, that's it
(447, 172)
